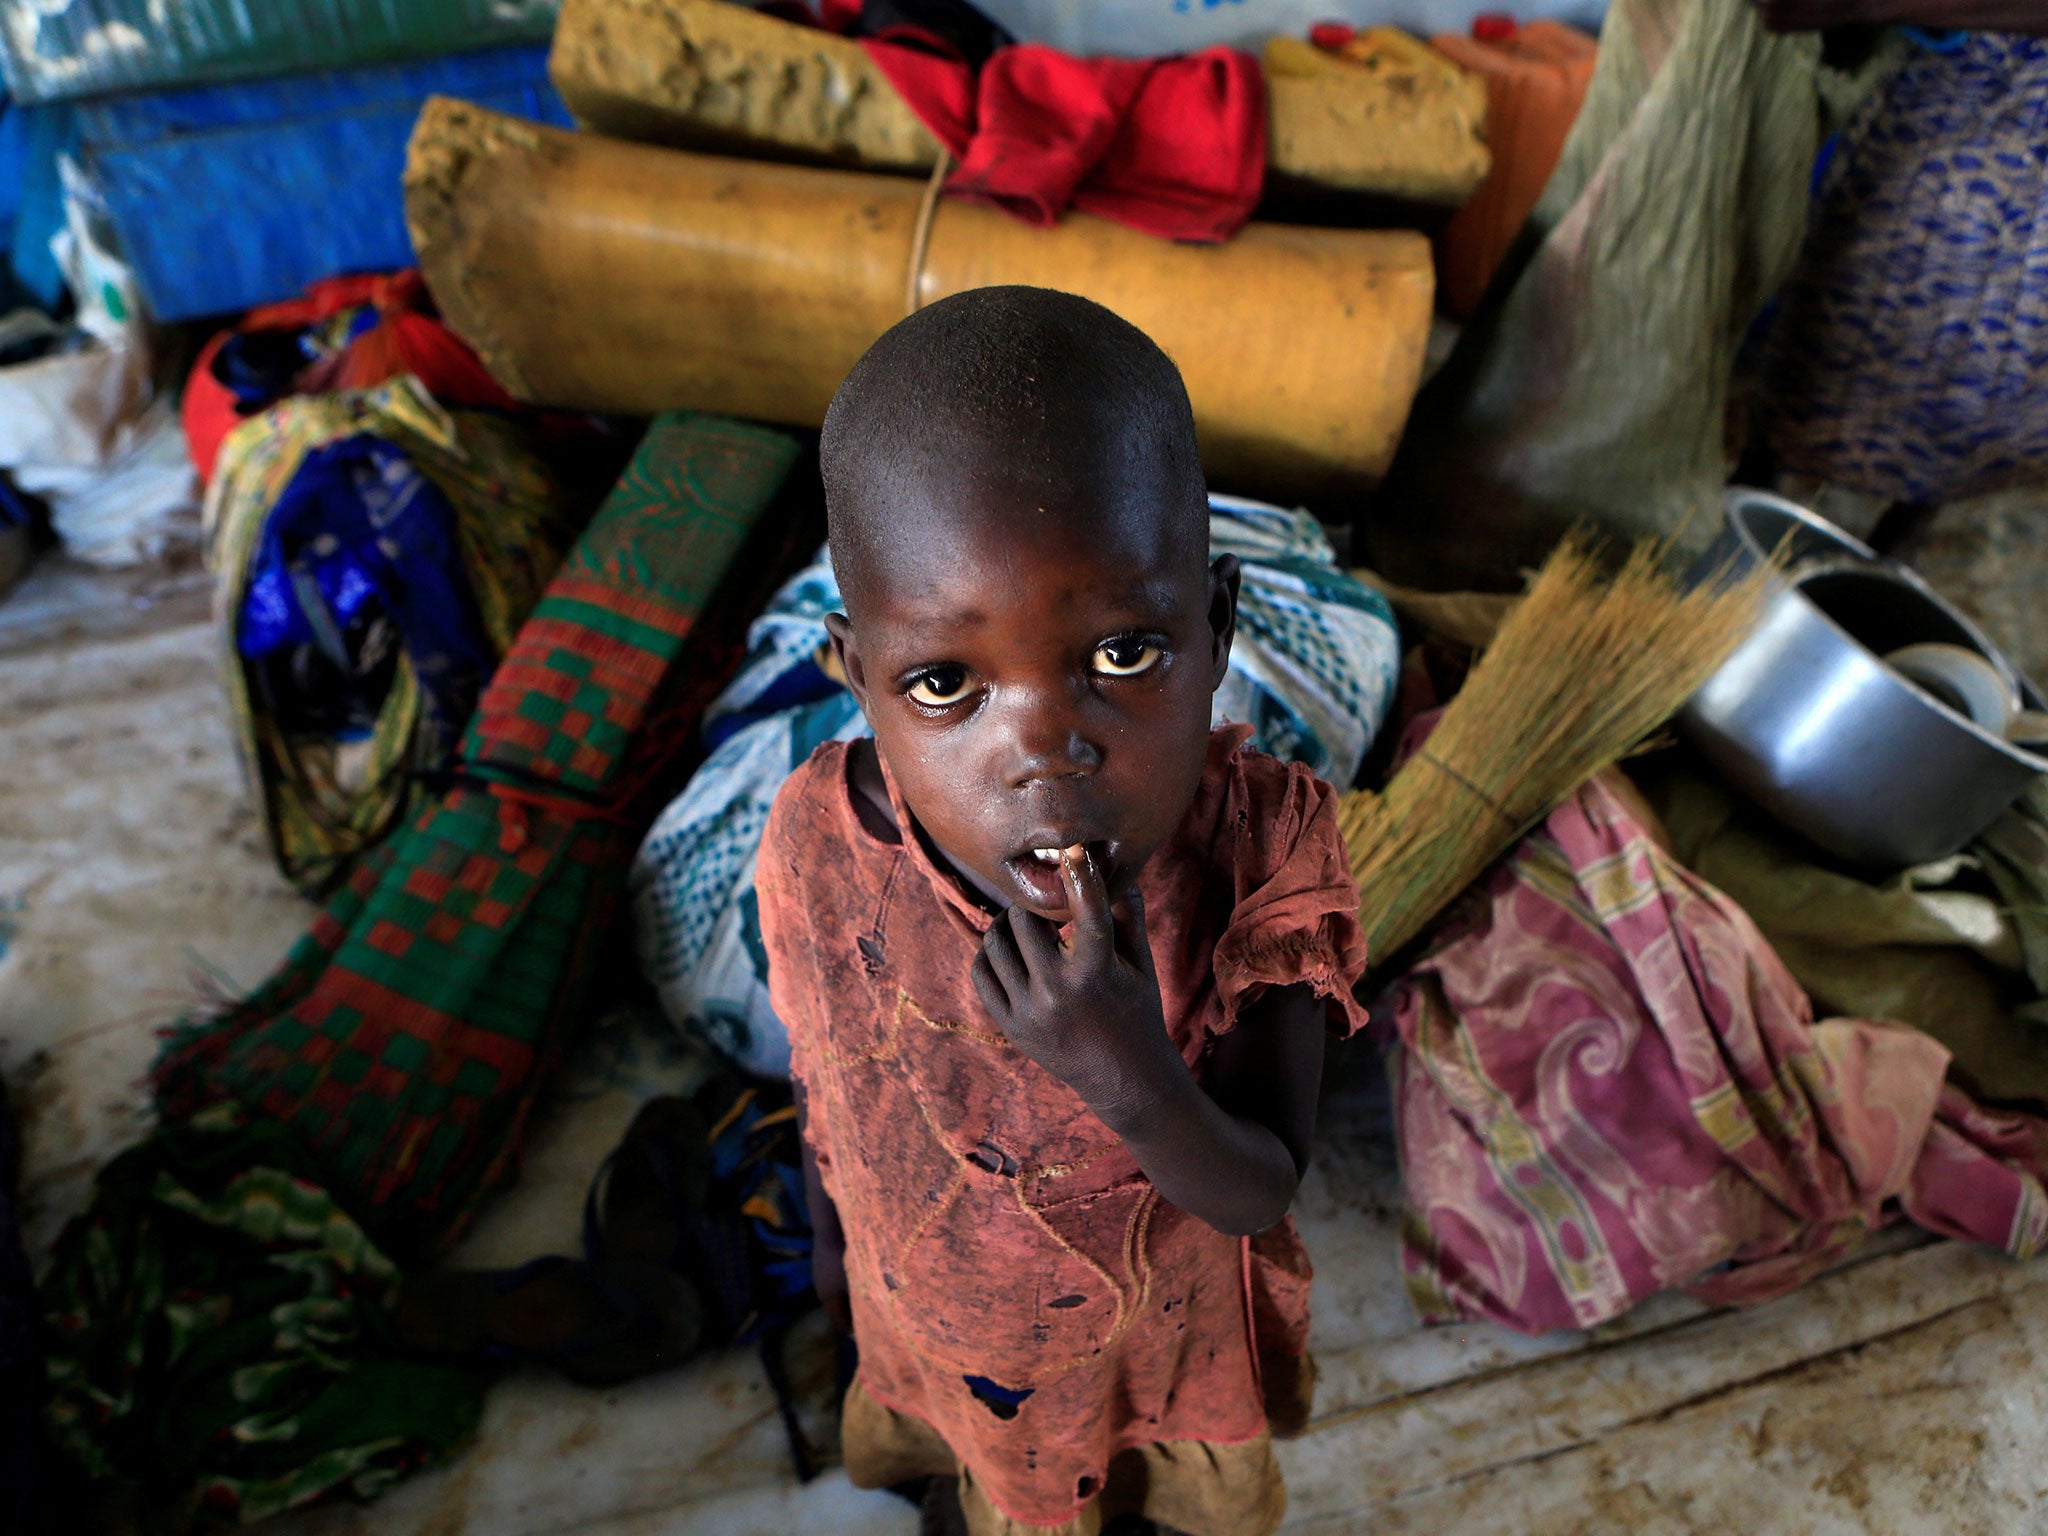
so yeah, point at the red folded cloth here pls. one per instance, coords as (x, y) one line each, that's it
(1173, 147)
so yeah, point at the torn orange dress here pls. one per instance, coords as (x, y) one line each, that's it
(1017, 1283)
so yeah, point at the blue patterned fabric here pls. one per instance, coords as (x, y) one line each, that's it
(360, 539)
(1909, 359)
(1312, 671)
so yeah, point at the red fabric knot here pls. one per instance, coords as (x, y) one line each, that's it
(1172, 147)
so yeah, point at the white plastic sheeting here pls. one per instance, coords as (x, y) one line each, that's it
(83, 429)
(1136, 28)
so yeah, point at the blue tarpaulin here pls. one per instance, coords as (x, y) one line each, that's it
(13, 161)
(230, 196)
(31, 138)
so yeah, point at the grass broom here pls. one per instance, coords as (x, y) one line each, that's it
(1581, 671)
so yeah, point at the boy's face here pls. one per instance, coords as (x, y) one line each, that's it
(1040, 677)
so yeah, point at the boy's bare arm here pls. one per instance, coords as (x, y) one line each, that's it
(1089, 1013)
(828, 1238)
(1234, 1154)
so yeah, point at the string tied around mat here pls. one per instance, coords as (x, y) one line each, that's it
(921, 232)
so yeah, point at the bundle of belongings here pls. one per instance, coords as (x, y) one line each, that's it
(1174, 147)
(379, 528)
(1904, 361)
(375, 555)
(219, 1317)
(696, 1235)
(1608, 1084)
(345, 333)
(1180, 146)
(88, 443)
(308, 157)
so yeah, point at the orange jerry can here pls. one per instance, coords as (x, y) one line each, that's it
(1536, 78)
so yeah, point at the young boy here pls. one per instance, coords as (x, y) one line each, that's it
(1057, 961)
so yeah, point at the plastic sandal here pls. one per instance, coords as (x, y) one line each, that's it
(667, 1145)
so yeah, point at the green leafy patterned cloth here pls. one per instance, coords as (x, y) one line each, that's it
(217, 1331)
(218, 1305)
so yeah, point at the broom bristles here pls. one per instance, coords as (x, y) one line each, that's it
(1582, 670)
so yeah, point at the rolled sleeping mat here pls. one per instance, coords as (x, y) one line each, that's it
(593, 274)
(710, 75)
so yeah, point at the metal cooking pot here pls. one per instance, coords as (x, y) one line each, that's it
(1805, 719)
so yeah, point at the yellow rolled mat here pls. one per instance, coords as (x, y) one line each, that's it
(710, 75)
(593, 274)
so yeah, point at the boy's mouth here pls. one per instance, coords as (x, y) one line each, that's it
(1036, 871)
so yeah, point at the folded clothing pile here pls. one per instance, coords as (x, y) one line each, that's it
(1607, 1084)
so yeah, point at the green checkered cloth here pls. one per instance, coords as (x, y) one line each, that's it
(216, 1316)
(408, 1033)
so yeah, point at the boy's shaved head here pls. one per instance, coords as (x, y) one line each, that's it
(1033, 625)
(1008, 401)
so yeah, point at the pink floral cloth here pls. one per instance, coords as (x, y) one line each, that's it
(1606, 1084)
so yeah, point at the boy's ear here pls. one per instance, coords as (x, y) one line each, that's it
(1224, 574)
(840, 628)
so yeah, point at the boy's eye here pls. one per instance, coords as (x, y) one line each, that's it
(941, 686)
(1125, 656)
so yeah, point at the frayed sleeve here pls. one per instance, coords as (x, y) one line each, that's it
(1295, 918)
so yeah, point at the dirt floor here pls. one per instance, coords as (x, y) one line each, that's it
(1907, 1391)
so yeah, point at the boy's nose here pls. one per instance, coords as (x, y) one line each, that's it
(1073, 757)
(1049, 743)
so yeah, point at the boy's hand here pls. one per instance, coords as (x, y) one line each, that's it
(1087, 1011)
